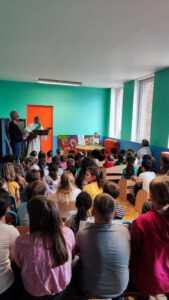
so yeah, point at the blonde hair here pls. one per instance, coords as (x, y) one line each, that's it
(159, 191)
(8, 172)
(66, 184)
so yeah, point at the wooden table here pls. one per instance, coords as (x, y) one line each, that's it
(87, 149)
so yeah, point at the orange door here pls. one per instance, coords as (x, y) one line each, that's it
(46, 120)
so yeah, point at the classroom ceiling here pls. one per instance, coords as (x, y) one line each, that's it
(101, 43)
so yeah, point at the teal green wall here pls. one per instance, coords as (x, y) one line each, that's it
(128, 95)
(77, 110)
(160, 110)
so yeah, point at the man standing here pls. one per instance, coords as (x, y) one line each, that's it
(15, 134)
(35, 143)
(104, 252)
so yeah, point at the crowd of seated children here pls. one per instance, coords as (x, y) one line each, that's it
(45, 255)
(83, 204)
(67, 191)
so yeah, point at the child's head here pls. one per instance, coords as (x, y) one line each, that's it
(130, 159)
(53, 170)
(4, 202)
(110, 158)
(8, 172)
(83, 204)
(70, 162)
(111, 188)
(3, 184)
(121, 158)
(49, 153)
(34, 153)
(94, 173)
(46, 222)
(66, 183)
(159, 194)
(146, 165)
(145, 143)
(58, 151)
(104, 208)
(113, 151)
(164, 164)
(29, 162)
(32, 175)
(41, 155)
(62, 158)
(38, 187)
(122, 151)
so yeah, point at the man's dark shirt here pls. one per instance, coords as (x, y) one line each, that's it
(15, 133)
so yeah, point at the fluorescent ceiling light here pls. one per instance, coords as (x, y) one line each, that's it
(58, 82)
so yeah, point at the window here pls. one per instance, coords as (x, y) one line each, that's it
(116, 112)
(142, 109)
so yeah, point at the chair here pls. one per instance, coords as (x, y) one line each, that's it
(141, 197)
(126, 187)
(113, 173)
(22, 229)
(67, 206)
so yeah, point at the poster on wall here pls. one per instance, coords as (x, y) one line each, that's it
(69, 142)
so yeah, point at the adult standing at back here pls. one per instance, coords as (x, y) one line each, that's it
(16, 136)
(145, 149)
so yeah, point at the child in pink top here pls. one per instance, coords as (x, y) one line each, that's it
(45, 255)
(150, 242)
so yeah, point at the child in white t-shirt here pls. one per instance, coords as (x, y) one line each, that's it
(146, 176)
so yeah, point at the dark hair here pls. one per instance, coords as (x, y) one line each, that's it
(147, 164)
(96, 154)
(110, 158)
(53, 169)
(42, 164)
(49, 153)
(145, 143)
(46, 223)
(38, 187)
(159, 191)
(4, 202)
(122, 151)
(8, 158)
(83, 203)
(56, 160)
(104, 204)
(33, 153)
(41, 155)
(147, 157)
(86, 162)
(32, 175)
(96, 171)
(71, 166)
(62, 158)
(113, 150)
(111, 188)
(130, 168)
(165, 167)
(121, 158)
